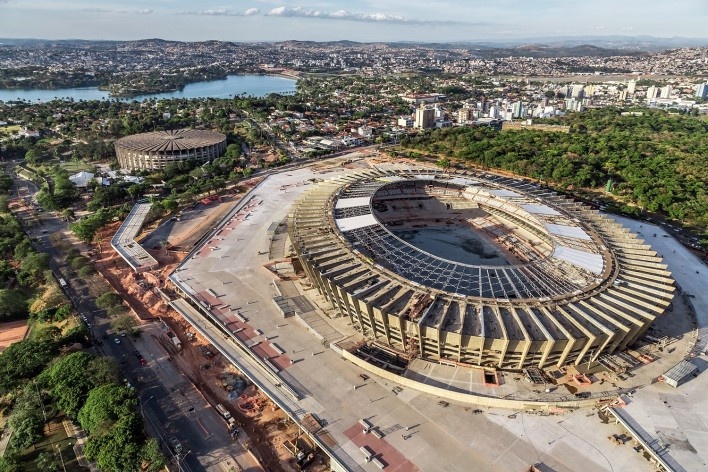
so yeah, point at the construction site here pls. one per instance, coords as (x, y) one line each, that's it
(330, 309)
(567, 286)
(135, 258)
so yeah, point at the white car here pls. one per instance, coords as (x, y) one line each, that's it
(116, 340)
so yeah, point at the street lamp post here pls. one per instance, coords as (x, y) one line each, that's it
(61, 457)
(143, 404)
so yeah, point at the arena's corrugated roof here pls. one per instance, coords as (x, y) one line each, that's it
(171, 140)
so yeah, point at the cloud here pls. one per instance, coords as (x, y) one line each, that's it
(223, 12)
(300, 12)
(123, 12)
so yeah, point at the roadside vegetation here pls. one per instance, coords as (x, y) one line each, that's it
(44, 383)
(27, 287)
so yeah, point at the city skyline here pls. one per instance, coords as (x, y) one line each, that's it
(387, 20)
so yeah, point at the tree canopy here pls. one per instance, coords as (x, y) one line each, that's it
(71, 378)
(656, 160)
(23, 360)
(116, 439)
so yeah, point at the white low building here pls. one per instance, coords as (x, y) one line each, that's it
(82, 179)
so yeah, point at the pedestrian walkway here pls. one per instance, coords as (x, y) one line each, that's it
(80, 436)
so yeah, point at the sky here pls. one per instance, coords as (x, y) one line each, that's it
(365, 20)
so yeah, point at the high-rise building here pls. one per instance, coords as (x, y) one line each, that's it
(517, 110)
(702, 91)
(651, 93)
(424, 118)
(631, 85)
(577, 91)
(463, 114)
(665, 92)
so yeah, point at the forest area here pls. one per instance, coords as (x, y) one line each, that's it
(654, 160)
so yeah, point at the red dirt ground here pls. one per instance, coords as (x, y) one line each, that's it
(12, 332)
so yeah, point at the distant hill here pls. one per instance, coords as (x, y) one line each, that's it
(640, 43)
(544, 50)
(575, 46)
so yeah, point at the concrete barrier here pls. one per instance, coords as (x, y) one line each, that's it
(466, 398)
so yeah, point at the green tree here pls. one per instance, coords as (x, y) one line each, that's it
(33, 156)
(27, 420)
(233, 151)
(67, 214)
(79, 262)
(10, 462)
(7, 272)
(151, 455)
(47, 462)
(86, 271)
(68, 382)
(108, 300)
(443, 163)
(13, 304)
(86, 228)
(103, 371)
(5, 183)
(124, 323)
(169, 204)
(104, 406)
(22, 249)
(32, 268)
(118, 448)
(23, 360)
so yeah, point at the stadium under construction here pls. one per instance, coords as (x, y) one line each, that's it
(540, 281)
(355, 292)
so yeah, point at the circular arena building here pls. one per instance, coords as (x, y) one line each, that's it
(155, 150)
(476, 269)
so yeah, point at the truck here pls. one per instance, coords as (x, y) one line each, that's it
(223, 411)
(175, 340)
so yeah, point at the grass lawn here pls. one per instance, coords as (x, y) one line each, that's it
(36, 327)
(74, 167)
(70, 166)
(55, 441)
(9, 129)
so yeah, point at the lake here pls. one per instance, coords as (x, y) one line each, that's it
(256, 85)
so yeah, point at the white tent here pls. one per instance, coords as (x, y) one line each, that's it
(81, 179)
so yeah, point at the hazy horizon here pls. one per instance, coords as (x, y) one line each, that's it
(572, 38)
(364, 21)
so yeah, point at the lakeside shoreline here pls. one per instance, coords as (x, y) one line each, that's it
(227, 87)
